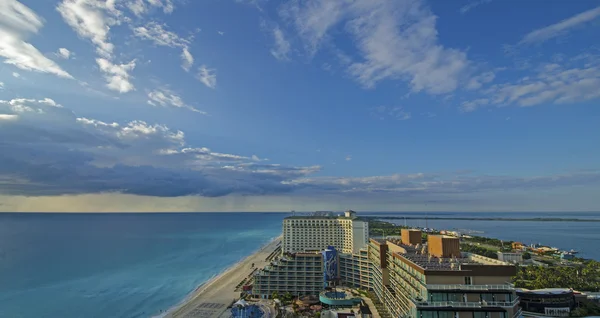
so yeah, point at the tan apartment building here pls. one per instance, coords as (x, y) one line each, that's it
(355, 269)
(412, 282)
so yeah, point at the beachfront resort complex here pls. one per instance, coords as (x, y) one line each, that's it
(326, 265)
(409, 277)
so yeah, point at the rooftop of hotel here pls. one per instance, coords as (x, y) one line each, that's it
(317, 217)
(325, 215)
(420, 257)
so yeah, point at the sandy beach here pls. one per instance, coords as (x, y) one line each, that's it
(212, 298)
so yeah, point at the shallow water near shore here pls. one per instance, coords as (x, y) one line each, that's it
(135, 265)
(118, 265)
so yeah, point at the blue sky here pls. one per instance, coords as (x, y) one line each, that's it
(168, 105)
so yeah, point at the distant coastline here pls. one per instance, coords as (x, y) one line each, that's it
(480, 219)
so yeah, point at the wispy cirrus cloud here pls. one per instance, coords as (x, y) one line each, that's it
(92, 20)
(166, 98)
(472, 5)
(576, 79)
(158, 34)
(140, 7)
(560, 28)
(396, 40)
(207, 76)
(17, 22)
(397, 113)
(282, 46)
(428, 184)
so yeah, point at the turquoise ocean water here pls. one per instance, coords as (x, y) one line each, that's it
(135, 265)
(118, 265)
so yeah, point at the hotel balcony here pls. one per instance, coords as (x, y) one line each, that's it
(449, 287)
(471, 304)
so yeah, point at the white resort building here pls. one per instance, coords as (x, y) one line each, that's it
(314, 233)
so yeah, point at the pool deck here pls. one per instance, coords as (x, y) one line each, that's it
(212, 299)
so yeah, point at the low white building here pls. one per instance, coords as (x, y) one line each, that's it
(510, 257)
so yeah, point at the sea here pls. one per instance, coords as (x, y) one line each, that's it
(142, 264)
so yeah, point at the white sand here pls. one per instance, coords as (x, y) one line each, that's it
(212, 299)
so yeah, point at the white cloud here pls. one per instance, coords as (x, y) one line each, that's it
(166, 98)
(348, 158)
(472, 5)
(64, 53)
(477, 81)
(397, 113)
(395, 39)
(553, 83)
(207, 76)
(166, 5)
(574, 80)
(313, 19)
(187, 59)
(158, 34)
(1, 85)
(52, 151)
(138, 7)
(117, 76)
(90, 21)
(282, 46)
(562, 27)
(16, 75)
(470, 106)
(8, 117)
(17, 21)
(220, 32)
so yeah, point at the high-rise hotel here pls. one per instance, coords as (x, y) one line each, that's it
(314, 233)
(299, 270)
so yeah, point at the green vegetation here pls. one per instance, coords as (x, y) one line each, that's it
(483, 251)
(380, 228)
(489, 241)
(485, 219)
(584, 277)
(586, 309)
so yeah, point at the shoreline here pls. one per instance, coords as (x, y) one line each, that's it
(433, 218)
(209, 292)
(486, 236)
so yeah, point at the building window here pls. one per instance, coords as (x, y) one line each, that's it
(468, 280)
(479, 314)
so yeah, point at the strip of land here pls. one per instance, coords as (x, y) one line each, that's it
(212, 299)
(482, 219)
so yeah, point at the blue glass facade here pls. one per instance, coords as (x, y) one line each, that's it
(330, 265)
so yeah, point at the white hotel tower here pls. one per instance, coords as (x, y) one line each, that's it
(314, 233)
